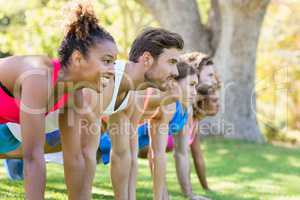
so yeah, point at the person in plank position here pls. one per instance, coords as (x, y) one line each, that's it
(32, 87)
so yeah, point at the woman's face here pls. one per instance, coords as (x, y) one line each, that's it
(208, 105)
(207, 76)
(97, 65)
(188, 89)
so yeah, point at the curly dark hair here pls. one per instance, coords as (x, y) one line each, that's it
(82, 31)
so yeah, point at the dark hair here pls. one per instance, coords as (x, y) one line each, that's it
(205, 62)
(184, 70)
(197, 59)
(154, 40)
(82, 32)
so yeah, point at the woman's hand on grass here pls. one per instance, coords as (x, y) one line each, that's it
(196, 197)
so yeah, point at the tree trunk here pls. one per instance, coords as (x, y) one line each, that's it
(181, 16)
(214, 23)
(235, 59)
(232, 36)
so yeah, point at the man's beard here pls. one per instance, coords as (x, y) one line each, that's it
(152, 83)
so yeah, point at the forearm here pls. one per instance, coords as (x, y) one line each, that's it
(159, 170)
(199, 165)
(79, 147)
(32, 127)
(32, 121)
(120, 164)
(158, 145)
(166, 99)
(34, 177)
(183, 172)
(79, 177)
(151, 165)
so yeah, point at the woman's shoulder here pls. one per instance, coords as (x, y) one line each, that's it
(27, 61)
(38, 61)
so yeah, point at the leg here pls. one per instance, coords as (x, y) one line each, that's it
(14, 168)
(134, 167)
(13, 164)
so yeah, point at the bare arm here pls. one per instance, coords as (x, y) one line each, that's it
(161, 99)
(158, 132)
(121, 160)
(182, 161)
(181, 155)
(158, 143)
(32, 120)
(79, 144)
(199, 161)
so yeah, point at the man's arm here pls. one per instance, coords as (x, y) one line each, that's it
(158, 143)
(158, 132)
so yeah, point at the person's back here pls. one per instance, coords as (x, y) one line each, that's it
(152, 62)
(86, 53)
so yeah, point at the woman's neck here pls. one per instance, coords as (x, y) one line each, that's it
(185, 105)
(65, 82)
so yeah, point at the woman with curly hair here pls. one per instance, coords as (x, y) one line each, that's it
(33, 87)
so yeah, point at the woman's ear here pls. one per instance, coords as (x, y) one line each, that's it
(76, 59)
(147, 59)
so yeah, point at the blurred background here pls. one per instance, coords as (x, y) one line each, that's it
(256, 49)
(36, 27)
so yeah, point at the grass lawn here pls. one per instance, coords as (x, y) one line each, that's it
(236, 171)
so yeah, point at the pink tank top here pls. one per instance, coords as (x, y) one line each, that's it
(10, 106)
(192, 135)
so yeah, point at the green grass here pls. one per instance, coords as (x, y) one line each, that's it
(236, 171)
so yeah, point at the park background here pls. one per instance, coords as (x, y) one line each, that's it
(256, 48)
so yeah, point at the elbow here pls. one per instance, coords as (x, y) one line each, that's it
(181, 153)
(159, 157)
(81, 159)
(89, 156)
(33, 155)
(74, 160)
(120, 154)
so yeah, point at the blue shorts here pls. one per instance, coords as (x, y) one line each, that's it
(176, 124)
(8, 142)
(143, 136)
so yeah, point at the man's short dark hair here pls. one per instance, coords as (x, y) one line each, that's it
(154, 40)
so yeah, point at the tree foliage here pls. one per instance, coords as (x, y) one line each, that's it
(36, 27)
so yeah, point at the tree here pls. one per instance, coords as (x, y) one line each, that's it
(39, 24)
(231, 35)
